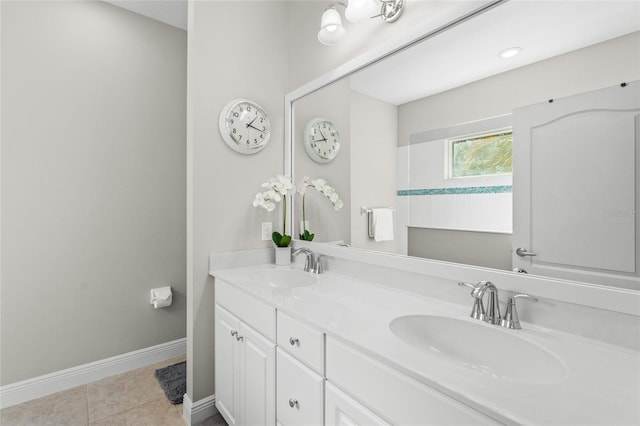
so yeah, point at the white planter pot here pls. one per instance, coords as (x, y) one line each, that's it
(283, 255)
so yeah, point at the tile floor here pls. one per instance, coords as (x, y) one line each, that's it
(129, 399)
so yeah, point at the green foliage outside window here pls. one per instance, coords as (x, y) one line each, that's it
(482, 155)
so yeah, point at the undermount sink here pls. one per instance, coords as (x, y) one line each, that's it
(285, 278)
(485, 348)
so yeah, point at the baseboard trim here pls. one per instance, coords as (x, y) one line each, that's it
(47, 384)
(196, 412)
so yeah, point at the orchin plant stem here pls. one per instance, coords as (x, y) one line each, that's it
(304, 217)
(284, 215)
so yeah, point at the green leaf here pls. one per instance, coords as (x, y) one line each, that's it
(285, 241)
(306, 235)
(281, 240)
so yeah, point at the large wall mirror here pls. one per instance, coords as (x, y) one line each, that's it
(428, 133)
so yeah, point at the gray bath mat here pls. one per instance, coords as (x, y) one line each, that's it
(173, 381)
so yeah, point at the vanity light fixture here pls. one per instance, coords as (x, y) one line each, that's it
(510, 52)
(331, 29)
(360, 10)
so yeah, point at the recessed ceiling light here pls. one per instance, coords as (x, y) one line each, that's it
(510, 52)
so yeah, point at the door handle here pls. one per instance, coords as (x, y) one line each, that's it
(522, 252)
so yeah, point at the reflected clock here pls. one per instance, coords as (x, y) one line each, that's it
(321, 140)
(244, 126)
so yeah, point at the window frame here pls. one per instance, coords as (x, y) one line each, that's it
(448, 149)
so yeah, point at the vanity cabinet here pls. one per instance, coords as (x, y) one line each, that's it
(396, 397)
(272, 368)
(342, 410)
(245, 364)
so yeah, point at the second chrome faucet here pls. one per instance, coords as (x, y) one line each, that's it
(492, 312)
(313, 261)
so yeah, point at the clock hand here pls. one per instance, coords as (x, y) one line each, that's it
(250, 125)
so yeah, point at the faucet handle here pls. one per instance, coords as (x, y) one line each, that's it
(319, 269)
(510, 319)
(477, 312)
(461, 283)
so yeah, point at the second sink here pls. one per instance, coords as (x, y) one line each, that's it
(482, 347)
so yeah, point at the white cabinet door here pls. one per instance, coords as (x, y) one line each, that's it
(245, 369)
(299, 393)
(576, 186)
(257, 378)
(226, 364)
(342, 410)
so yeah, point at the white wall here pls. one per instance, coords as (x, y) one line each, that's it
(428, 170)
(237, 49)
(93, 184)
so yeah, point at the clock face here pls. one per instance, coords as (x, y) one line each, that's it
(321, 140)
(244, 126)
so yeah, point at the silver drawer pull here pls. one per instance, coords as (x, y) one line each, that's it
(293, 403)
(294, 341)
(234, 333)
(239, 337)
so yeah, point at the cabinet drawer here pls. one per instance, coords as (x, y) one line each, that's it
(300, 396)
(394, 396)
(342, 410)
(252, 311)
(302, 341)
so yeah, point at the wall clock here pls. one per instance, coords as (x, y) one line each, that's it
(244, 126)
(321, 140)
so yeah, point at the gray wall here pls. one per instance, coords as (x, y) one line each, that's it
(93, 184)
(487, 249)
(237, 49)
(332, 103)
(374, 129)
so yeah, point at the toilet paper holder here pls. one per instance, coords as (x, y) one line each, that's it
(160, 297)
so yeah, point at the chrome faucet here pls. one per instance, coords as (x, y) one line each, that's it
(313, 262)
(492, 312)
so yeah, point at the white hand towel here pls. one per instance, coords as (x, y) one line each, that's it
(382, 224)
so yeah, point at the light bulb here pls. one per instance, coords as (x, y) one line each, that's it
(510, 52)
(360, 10)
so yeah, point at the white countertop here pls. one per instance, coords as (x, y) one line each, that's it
(601, 385)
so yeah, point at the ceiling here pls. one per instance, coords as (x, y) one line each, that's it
(172, 12)
(469, 52)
